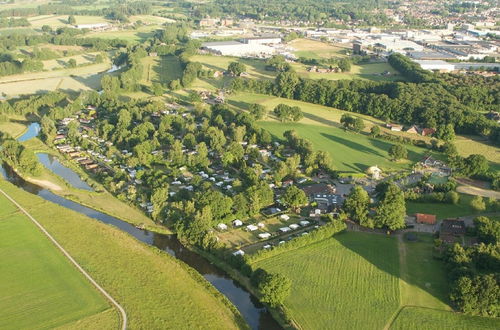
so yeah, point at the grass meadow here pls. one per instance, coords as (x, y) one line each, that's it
(154, 288)
(317, 49)
(467, 145)
(416, 318)
(321, 125)
(40, 287)
(350, 281)
(162, 69)
(443, 210)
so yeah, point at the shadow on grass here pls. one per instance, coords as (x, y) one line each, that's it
(385, 257)
(353, 145)
(321, 120)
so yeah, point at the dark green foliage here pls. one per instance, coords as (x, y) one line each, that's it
(488, 230)
(356, 206)
(236, 68)
(287, 113)
(294, 197)
(258, 111)
(398, 152)
(391, 209)
(20, 158)
(275, 288)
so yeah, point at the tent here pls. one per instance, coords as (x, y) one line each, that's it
(252, 227)
(237, 223)
(222, 226)
(264, 235)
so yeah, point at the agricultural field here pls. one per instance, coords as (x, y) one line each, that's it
(154, 288)
(467, 145)
(40, 287)
(132, 36)
(255, 68)
(415, 318)
(75, 79)
(61, 63)
(444, 210)
(56, 21)
(339, 282)
(317, 49)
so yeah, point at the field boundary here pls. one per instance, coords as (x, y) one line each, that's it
(73, 261)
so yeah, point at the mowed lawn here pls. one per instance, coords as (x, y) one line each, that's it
(317, 49)
(467, 145)
(39, 287)
(417, 318)
(443, 210)
(350, 152)
(350, 281)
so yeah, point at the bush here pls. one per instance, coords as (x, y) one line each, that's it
(478, 204)
(452, 197)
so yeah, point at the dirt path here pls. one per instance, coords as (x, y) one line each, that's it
(475, 191)
(73, 261)
(45, 184)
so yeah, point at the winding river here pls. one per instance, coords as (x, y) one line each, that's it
(253, 312)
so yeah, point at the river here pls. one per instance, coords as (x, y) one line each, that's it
(52, 163)
(254, 313)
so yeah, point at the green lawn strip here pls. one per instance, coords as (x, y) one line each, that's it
(40, 287)
(156, 290)
(443, 210)
(338, 283)
(417, 318)
(423, 278)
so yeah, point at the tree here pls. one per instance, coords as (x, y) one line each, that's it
(275, 288)
(488, 230)
(478, 204)
(98, 58)
(398, 152)
(159, 200)
(72, 63)
(356, 206)
(452, 197)
(294, 197)
(287, 113)
(175, 85)
(46, 28)
(475, 165)
(391, 210)
(375, 131)
(48, 129)
(477, 296)
(285, 84)
(157, 89)
(71, 20)
(345, 65)
(358, 124)
(258, 111)
(446, 132)
(236, 68)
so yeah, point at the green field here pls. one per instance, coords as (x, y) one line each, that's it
(317, 49)
(367, 71)
(350, 281)
(423, 278)
(467, 145)
(155, 290)
(416, 318)
(161, 69)
(40, 287)
(134, 36)
(443, 210)
(350, 152)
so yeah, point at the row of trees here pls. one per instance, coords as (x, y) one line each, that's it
(390, 210)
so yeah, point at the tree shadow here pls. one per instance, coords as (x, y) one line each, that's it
(321, 119)
(383, 257)
(385, 145)
(239, 104)
(353, 145)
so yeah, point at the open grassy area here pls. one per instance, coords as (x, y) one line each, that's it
(423, 278)
(416, 318)
(76, 79)
(349, 281)
(137, 35)
(255, 68)
(161, 69)
(443, 210)
(351, 152)
(156, 290)
(467, 145)
(56, 21)
(317, 49)
(61, 63)
(40, 287)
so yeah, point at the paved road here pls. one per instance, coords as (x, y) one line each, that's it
(73, 261)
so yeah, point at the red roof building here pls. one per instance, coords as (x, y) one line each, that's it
(428, 219)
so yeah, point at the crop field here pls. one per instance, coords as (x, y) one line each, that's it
(132, 36)
(316, 49)
(153, 287)
(467, 145)
(338, 283)
(56, 21)
(76, 79)
(443, 210)
(415, 318)
(40, 287)
(61, 63)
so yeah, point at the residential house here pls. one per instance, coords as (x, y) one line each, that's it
(451, 229)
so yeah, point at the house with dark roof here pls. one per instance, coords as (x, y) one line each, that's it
(451, 229)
